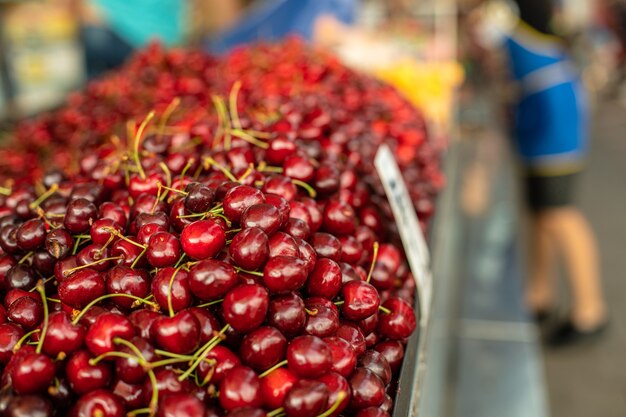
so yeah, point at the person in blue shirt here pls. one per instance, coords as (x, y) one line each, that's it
(551, 137)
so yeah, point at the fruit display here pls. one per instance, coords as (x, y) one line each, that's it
(213, 241)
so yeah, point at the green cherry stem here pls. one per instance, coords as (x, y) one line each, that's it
(208, 161)
(307, 187)
(44, 328)
(210, 303)
(203, 352)
(137, 141)
(70, 271)
(22, 339)
(242, 134)
(116, 354)
(173, 355)
(374, 257)
(167, 114)
(170, 307)
(339, 303)
(106, 296)
(276, 412)
(53, 189)
(257, 273)
(232, 102)
(340, 397)
(273, 368)
(384, 309)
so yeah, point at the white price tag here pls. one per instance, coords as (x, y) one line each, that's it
(410, 231)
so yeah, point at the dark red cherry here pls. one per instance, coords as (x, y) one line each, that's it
(203, 239)
(339, 218)
(144, 321)
(353, 335)
(239, 198)
(281, 204)
(393, 351)
(6, 263)
(103, 230)
(372, 412)
(326, 246)
(147, 231)
(80, 214)
(279, 185)
(163, 250)
(26, 311)
(131, 253)
(279, 149)
(178, 293)
(179, 334)
(327, 179)
(309, 356)
(240, 388)
(211, 279)
(81, 288)
(325, 280)
(367, 389)
(297, 228)
(351, 249)
(31, 234)
(343, 356)
(264, 216)
(282, 244)
(181, 405)
(8, 239)
(32, 373)
(276, 385)
(199, 198)
(99, 403)
(131, 395)
(94, 256)
(336, 384)
(59, 243)
(208, 323)
(101, 335)
(376, 362)
(299, 168)
(167, 384)
(306, 253)
(62, 335)
(83, 376)
(10, 334)
(112, 211)
(400, 323)
(124, 280)
(314, 213)
(306, 398)
(43, 263)
(21, 277)
(130, 370)
(286, 313)
(224, 361)
(360, 300)
(177, 211)
(249, 248)
(284, 274)
(245, 307)
(368, 324)
(28, 405)
(322, 321)
(245, 412)
(263, 348)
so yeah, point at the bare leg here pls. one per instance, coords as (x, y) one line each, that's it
(543, 255)
(575, 240)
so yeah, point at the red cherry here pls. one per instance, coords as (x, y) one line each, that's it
(81, 288)
(279, 185)
(239, 198)
(208, 323)
(124, 280)
(367, 389)
(400, 323)
(99, 403)
(286, 313)
(360, 300)
(263, 348)
(343, 356)
(32, 373)
(376, 362)
(245, 307)
(167, 384)
(279, 149)
(282, 244)
(83, 376)
(100, 336)
(275, 385)
(306, 398)
(178, 334)
(249, 248)
(225, 360)
(181, 405)
(299, 168)
(100, 231)
(372, 412)
(202, 239)
(240, 388)
(284, 274)
(339, 218)
(336, 384)
(326, 246)
(353, 335)
(163, 250)
(179, 292)
(131, 395)
(264, 216)
(393, 351)
(144, 320)
(10, 334)
(211, 279)
(129, 370)
(309, 356)
(325, 280)
(26, 312)
(62, 335)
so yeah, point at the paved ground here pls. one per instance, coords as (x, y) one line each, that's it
(591, 380)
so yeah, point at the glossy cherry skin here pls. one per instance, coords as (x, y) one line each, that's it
(390, 256)
(245, 307)
(309, 356)
(92, 256)
(129, 370)
(263, 348)
(240, 388)
(372, 412)
(6, 263)
(144, 321)
(62, 335)
(297, 228)
(393, 351)
(279, 149)
(43, 262)
(146, 232)
(239, 198)
(124, 280)
(343, 357)
(179, 291)
(100, 336)
(199, 198)
(167, 384)
(224, 360)
(264, 216)
(377, 363)
(279, 185)
(400, 323)
(179, 334)
(21, 277)
(326, 246)
(10, 334)
(325, 280)
(360, 300)
(202, 239)
(299, 168)
(286, 313)
(353, 335)
(83, 376)
(284, 274)
(163, 250)
(132, 396)
(306, 253)
(275, 385)
(112, 211)
(339, 218)
(31, 234)
(367, 389)
(249, 248)
(323, 320)
(32, 373)
(281, 244)
(26, 312)
(281, 204)
(211, 279)
(306, 398)
(208, 323)
(351, 249)
(81, 288)
(98, 403)
(181, 405)
(336, 384)
(130, 253)
(101, 231)
(80, 214)
(28, 405)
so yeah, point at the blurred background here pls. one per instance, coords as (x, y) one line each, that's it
(486, 353)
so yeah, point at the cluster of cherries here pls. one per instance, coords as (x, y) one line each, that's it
(232, 267)
(307, 95)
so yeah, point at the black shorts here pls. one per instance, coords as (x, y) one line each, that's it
(545, 192)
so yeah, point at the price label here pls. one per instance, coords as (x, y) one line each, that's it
(409, 228)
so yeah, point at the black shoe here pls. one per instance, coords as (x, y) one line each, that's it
(567, 333)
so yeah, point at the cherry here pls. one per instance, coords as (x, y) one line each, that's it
(83, 376)
(281, 204)
(148, 185)
(181, 405)
(43, 263)
(284, 273)
(368, 325)
(336, 384)
(309, 356)
(208, 323)
(144, 321)
(81, 288)
(167, 384)
(286, 313)
(131, 395)
(6, 263)
(353, 335)
(151, 208)
(99, 403)
(279, 185)
(279, 149)
(376, 362)
(21, 277)
(263, 348)
(249, 248)
(32, 373)
(276, 385)
(238, 198)
(387, 404)
(297, 228)
(131, 253)
(114, 212)
(62, 335)
(282, 244)
(367, 389)
(130, 370)
(163, 250)
(390, 256)
(240, 388)
(351, 249)
(80, 214)
(299, 168)
(28, 405)
(8, 239)
(314, 213)
(323, 322)
(26, 312)
(264, 216)
(225, 360)
(326, 246)
(306, 253)
(325, 280)
(178, 334)
(343, 356)
(382, 278)
(299, 210)
(93, 256)
(245, 307)
(179, 292)
(108, 326)
(199, 198)
(246, 412)
(10, 334)
(306, 398)
(177, 213)
(400, 323)
(101, 231)
(393, 351)
(211, 279)
(372, 412)
(124, 280)
(31, 234)
(360, 300)
(327, 179)
(203, 239)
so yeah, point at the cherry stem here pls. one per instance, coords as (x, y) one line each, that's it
(176, 190)
(374, 257)
(273, 368)
(242, 134)
(246, 174)
(257, 273)
(173, 355)
(170, 361)
(106, 296)
(203, 352)
(276, 412)
(121, 236)
(53, 189)
(22, 339)
(168, 177)
(234, 112)
(188, 165)
(339, 303)
(223, 120)
(170, 308)
(116, 354)
(25, 258)
(341, 395)
(384, 309)
(211, 303)
(138, 258)
(5, 191)
(167, 113)
(312, 312)
(208, 161)
(180, 260)
(106, 245)
(307, 187)
(44, 328)
(137, 141)
(68, 272)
